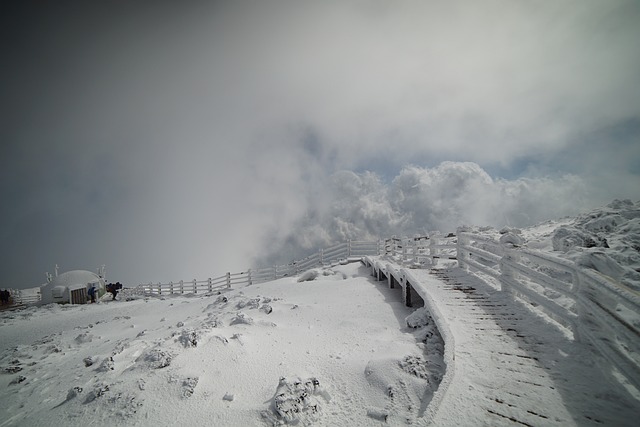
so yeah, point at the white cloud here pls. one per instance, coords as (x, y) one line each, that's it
(420, 200)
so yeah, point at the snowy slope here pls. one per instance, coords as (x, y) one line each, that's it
(335, 350)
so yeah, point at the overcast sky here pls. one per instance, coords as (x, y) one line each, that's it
(181, 140)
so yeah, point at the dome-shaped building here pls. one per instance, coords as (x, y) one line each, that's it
(71, 287)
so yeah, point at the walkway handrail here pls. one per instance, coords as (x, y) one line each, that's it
(593, 307)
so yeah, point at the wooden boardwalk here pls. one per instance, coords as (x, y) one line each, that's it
(507, 366)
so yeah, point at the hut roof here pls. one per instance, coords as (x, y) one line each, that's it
(74, 279)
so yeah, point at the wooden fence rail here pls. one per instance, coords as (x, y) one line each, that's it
(352, 249)
(591, 305)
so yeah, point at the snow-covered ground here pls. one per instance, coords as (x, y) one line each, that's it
(327, 348)
(333, 351)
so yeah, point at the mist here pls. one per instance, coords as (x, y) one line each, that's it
(180, 141)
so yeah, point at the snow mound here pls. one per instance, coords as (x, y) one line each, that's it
(402, 386)
(309, 275)
(606, 240)
(326, 273)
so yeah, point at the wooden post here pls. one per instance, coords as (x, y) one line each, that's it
(461, 251)
(159, 288)
(433, 250)
(195, 288)
(210, 285)
(249, 277)
(506, 272)
(228, 280)
(404, 243)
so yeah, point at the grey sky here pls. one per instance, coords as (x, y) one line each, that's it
(173, 140)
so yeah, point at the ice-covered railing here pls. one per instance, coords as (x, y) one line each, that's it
(420, 250)
(349, 250)
(597, 309)
(415, 249)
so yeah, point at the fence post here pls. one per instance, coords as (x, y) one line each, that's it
(182, 286)
(461, 251)
(249, 277)
(321, 256)
(508, 274)
(433, 249)
(195, 288)
(159, 288)
(349, 248)
(228, 280)
(275, 272)
(404, 244)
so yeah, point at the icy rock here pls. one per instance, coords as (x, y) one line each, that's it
(266, 308)
(296, 401)
(228, 397)
(248, 303)
(84, 338)
(97, 392)
(188, 339)
(509, 230)
(567, 238)
(106, 365)
(188, 386)
(511, 238)
(418, 318)
(241, 318)
(308, 275)
(155, 358)
(416, 366)
(73, 392)
(378, 414)
(18, 380)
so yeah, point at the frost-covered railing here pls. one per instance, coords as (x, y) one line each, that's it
(195, 286)
(23, 297)
(351, 249)
(420, 250)
(596, 308)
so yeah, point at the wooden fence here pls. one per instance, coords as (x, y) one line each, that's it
(597, 309)
(421, 250)
(349, 250)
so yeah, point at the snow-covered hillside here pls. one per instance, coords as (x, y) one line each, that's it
(336, 350)
(606, 239)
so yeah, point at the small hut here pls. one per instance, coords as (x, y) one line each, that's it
(71, 287)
